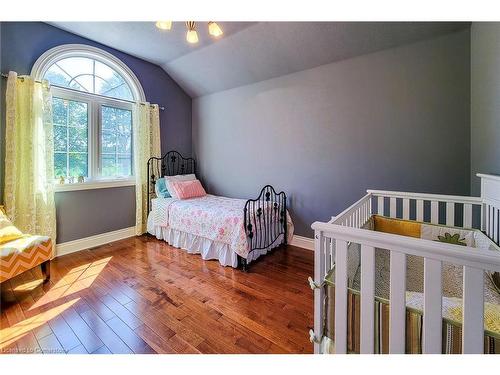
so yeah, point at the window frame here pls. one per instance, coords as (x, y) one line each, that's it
(94, 105)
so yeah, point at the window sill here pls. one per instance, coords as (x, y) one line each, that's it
(92, 185)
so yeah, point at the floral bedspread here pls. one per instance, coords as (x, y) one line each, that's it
(213, 217)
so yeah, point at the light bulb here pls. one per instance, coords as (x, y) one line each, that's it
(164, 25)
(192, 36)
(214, 29)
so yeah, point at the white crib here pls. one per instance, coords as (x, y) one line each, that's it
(331, 247)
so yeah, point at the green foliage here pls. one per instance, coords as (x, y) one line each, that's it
(116, 142)
(70, 137)
(454, 240)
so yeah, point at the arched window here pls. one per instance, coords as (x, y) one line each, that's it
(93, 95)
(88, 75)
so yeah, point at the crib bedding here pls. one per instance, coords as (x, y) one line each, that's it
(451, 326)
(210, 225)
(452, 291)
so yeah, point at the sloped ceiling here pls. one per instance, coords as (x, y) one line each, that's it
(253, 52)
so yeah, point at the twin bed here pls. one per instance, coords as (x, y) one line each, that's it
(233, 231)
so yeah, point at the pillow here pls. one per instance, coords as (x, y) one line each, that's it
(8, 232)
(188, 189)
(179, 177)
(161, 188)
(454, 236)
(396, 226)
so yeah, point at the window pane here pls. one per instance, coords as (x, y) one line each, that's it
(88, 75)
(60, 139)
(108, 165)
(70, 135)
(74, 66)
(78, 164)
(108, 142)
(108, 118)
(116, 142)
(124, 142)
(60, 165)
(59, 111)
(77, 114)
(56, 76)
(124, 166)
(77, 139)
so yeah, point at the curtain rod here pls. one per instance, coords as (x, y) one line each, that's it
(4, 75)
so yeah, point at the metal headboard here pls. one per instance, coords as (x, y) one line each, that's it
(170, 164)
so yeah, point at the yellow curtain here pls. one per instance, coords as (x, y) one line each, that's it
(146, 144)
(29, 156)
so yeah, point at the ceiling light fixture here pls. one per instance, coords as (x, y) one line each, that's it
(164, 25)
(214, 29)
(192, 35)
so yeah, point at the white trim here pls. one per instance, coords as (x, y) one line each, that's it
(424, 196)
(303, 242)
(488, 176)
(63, 51)
(91, 185)
(93, 241)
(459, 255)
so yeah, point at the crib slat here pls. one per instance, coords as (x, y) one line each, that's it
(450, 213)
(434, 212)
(491, 222)
(467, 215)
(432, 334)
(392, 207)
(495, 225)
(483, 216)
(406, 209)
(319, 275)
(367, 299)
(397, 306)
(380, 206)
(487, 214)
(420, 210)
(473, 311)
(341, 297)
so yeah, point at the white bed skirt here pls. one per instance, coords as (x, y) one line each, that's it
(208, 249)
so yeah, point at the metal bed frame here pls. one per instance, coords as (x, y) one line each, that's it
(265, 217)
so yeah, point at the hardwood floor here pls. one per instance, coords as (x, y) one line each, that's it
(140, 295)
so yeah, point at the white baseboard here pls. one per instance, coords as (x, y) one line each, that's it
(92, 241)
(120, 234)
(303, 242)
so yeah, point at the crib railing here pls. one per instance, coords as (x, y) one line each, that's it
(474, 261)
(356, 215)
(331, 244)
(490, 217)
(426, 207)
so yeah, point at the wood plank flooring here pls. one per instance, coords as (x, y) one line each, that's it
(141, 295)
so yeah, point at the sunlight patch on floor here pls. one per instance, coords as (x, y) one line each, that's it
(11, 334)
(76, 280)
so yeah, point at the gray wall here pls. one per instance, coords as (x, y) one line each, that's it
(396, 119)
(89, 212)
(485, 101)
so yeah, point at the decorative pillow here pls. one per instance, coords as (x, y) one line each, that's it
(188, 189)
(179, 177)
(396, 226)
(8, 232)
(449, 235)
(161, 188)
